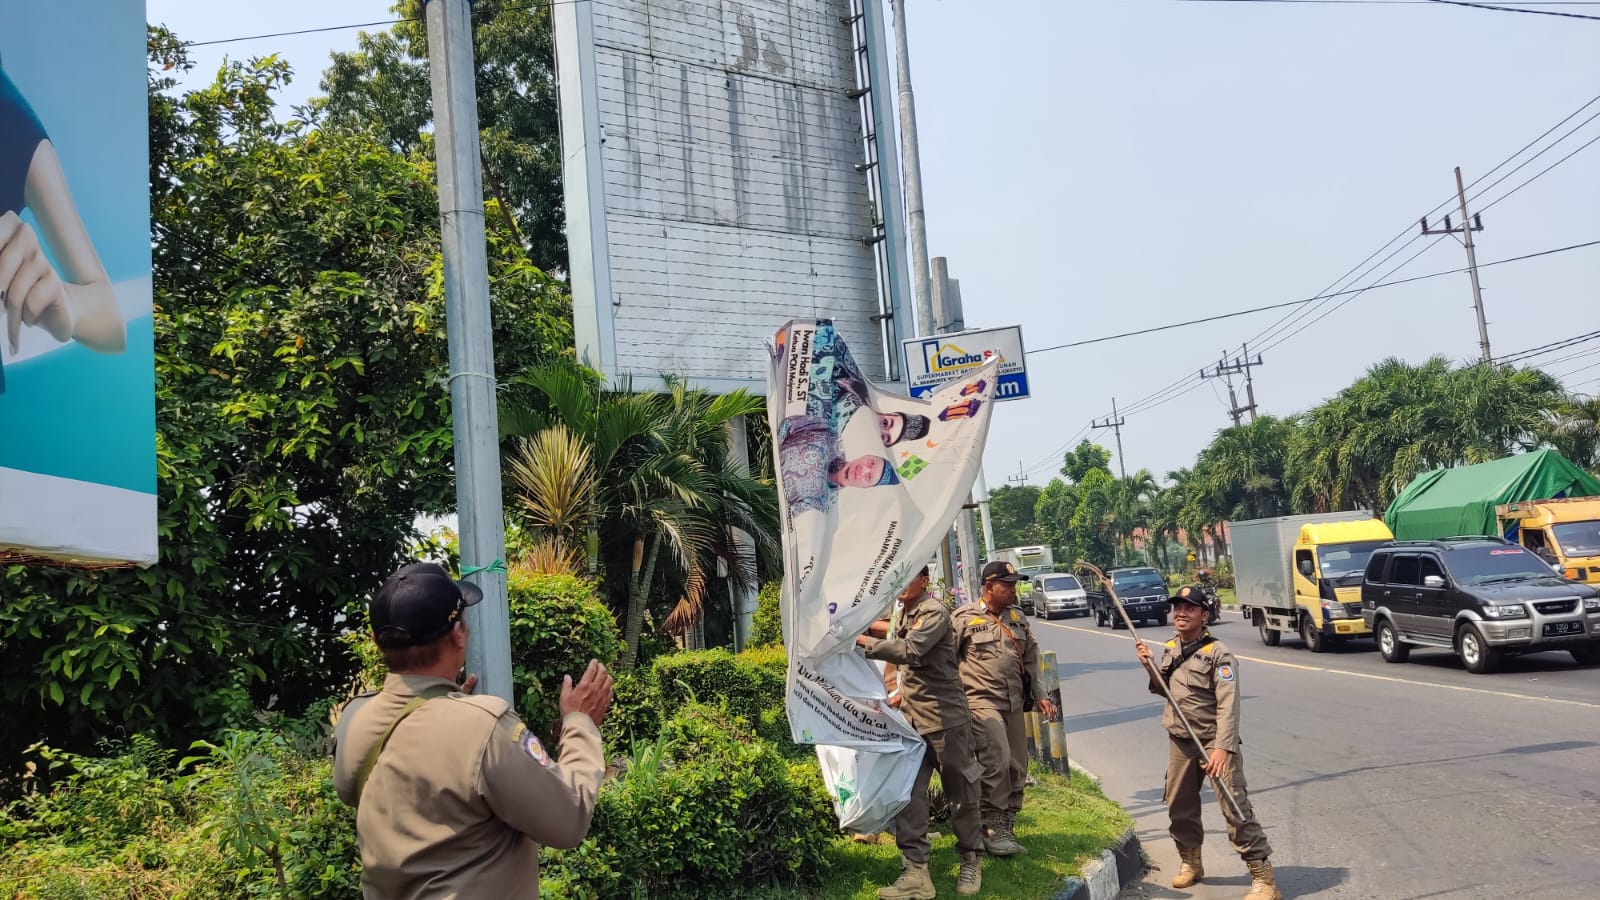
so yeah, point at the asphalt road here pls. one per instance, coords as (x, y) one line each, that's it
(1373, 780)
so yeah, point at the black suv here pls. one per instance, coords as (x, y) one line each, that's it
(1482, 597)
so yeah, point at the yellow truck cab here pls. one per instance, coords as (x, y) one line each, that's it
(1302, 575)
(1565, 533)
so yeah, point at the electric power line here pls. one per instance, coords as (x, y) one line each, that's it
(326, 28)
(1516, 9)
(1543, 349)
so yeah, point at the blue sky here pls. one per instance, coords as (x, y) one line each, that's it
(1096, 166)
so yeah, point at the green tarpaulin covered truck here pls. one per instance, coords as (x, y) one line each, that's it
(1462, 501)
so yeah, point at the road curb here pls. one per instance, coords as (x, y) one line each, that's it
(1104, 878)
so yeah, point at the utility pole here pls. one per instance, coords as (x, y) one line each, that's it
(1021, 478)
(471, 339)
(916, 218)
(1241, 365)
(1115, 423)
(1466, 229)
(947, 311)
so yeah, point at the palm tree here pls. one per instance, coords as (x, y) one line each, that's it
(1574, 430)
(626, 476)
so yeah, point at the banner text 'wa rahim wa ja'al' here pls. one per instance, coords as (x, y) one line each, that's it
(869, 483)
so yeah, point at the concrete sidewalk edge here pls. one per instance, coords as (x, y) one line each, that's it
(1105, 877)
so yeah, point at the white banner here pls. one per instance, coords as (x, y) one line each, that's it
(869, 482)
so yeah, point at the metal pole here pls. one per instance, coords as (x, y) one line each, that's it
(915, 218)
(880, 100)
(982, 489)
(966, 533)
(1472, 268)
(471, 338)
(1249, 382)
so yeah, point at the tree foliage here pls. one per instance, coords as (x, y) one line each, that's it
(1078, 462)
(302, 413)
(383, 86)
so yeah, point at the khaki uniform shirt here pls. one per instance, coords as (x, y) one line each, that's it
(994, 651)
(463, 794)
(924, 646)
(1206, 687)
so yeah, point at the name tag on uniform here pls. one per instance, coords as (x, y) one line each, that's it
(984, 637)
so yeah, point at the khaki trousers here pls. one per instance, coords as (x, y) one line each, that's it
(1002, 738)
(951, 751)
(1184, 778)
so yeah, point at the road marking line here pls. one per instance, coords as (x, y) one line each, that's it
(1331, 671)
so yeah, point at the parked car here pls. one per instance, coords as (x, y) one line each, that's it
(1483, 598)
(1142, 590)
(1059, 594)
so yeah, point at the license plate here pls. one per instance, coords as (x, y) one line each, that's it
(1554, 628)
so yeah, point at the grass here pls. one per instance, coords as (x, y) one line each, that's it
(1064, 823)
(1228, 596)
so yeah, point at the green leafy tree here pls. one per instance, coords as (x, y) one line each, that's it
(1083, 459)
(1053, 515)
(1574, 430)
(1011, 514)
(302, 414)
(383, 86)
(1093, 534)
(1241, 473)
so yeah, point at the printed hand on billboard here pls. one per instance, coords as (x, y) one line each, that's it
(80, 305)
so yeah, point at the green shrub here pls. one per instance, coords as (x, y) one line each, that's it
(717, 810)
(635, 710)
(558, 624)
(129, 824)
(768, 618)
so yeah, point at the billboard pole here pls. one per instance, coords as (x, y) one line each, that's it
(915, 217)
(468, 329)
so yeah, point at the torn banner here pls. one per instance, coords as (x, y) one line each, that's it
(869, 483)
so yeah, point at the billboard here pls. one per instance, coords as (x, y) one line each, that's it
(937, 359)
(716, 183)
(869, 480)
(77, 375)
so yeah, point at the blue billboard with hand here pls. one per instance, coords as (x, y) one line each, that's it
(77, 382)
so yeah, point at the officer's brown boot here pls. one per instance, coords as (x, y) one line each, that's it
(1190, 869)
(998, 839)
(914, 883)
(970, 880)
(1262, 885)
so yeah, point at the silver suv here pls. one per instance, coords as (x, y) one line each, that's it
(1059, 594)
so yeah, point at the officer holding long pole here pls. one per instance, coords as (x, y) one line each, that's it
(1199, 678)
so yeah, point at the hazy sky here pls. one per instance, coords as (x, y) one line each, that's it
(1098, 166)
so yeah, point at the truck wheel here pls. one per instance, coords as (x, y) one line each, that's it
(1587, 655)
(1099, 618)
(1475, 652)
(1311, 636)
(1269, 636)
(1389, 644)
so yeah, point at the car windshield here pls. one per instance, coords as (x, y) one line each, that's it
(1481, 565)
(1346, 562)
(1578, 538)
(1144, 579)
(1059, 583)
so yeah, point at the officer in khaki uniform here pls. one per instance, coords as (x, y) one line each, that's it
(1204, 680)
(453, 794)
(923, 647)
(1000, 671)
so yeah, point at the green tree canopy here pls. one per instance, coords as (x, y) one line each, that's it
(383, 87)
(1082, 459)
(302, 414)
(1011, 514)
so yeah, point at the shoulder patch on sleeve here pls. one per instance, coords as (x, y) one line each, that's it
(1225, 672)
(1016, 616)
(530, 745)
(1172, 644)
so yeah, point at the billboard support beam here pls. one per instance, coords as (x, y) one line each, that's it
(915, 217)
(470, 334)
(887, 154)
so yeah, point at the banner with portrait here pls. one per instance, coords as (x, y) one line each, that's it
(77, 372)
(869, 482)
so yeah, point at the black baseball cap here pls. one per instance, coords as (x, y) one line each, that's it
(1000, 570)
(418, 604)
(1192, 596)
